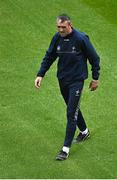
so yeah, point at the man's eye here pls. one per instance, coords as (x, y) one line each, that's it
(62, 27)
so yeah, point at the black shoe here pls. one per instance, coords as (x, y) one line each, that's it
(62, 156)
(81, 137)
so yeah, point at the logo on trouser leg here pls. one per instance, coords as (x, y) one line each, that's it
(77, 93)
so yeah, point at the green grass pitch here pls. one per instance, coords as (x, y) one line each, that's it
(32, 122)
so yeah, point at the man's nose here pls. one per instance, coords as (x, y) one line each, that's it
(61, 29)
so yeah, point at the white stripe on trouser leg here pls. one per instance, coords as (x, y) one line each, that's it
(77, 108)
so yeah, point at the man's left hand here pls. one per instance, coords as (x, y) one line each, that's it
(93, 85)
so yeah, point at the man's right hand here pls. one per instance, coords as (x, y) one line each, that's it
(38, 81)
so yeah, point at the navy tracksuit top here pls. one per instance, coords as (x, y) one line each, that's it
(72, 52)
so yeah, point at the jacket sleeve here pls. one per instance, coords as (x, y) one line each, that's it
(49, 58)
(92, 56)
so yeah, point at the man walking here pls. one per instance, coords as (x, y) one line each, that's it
(73, 48)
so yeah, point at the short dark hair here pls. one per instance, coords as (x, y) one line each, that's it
(64, 17)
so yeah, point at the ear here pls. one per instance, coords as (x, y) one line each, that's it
(70, 24)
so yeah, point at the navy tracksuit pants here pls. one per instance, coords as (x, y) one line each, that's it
(72, 94)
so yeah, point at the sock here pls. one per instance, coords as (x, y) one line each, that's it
(65, 149)
(85, 131)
